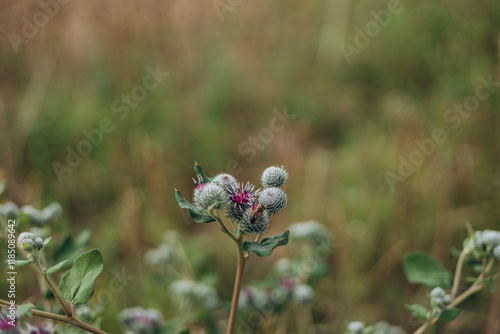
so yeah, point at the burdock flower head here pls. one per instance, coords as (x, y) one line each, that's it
(274, 177)
(255, 219)
(274, 200)
(139, 320)
(209, 195)
(225, 181)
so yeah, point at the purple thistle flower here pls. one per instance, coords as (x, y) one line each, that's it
(242, 197)
(7, 324)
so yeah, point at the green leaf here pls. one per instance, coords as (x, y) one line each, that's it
(25, 309)
(56, 267)
(449, 314)
(418, 311)
(198, 170)
(46, 241)
(77, 285)
(22, 263)
(199, 216)
(423, 269)
(266, 246)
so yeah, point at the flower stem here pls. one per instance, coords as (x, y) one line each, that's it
(69, 320)
(57, 294)
(55, 291)
(238, 242)
(458, 272)
(237, 287)
(213, 212)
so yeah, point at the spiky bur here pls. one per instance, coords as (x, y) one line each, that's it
(226, 181)
(274, 177)
(274, 200)
(255, 220)
(209, 195)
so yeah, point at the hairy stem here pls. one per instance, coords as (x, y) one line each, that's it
(458, 272)
(237, 287)
(64, 304)
(69, 320)
(238, 242)
(55, 291)
(213, 212)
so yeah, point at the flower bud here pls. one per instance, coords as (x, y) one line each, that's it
(255, 220)
(36, 217)
(303, 293)
(26, 237)
(487, 238)
(207, 295)
(225, 181)
(139, 320)
(85, 313)
(209, 195)
(274, 200)
(284, 266)
(447, 300)
(274, 177)
(9, 210)
(29, 241)
(250, 298)
(196, 293)
(52, 213)
(46, 328)
(38, 243)
(356, 327)
(311, 231)
(438, 293)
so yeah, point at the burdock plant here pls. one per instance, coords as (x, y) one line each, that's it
(248, 210)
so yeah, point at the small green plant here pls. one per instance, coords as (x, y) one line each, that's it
(481, 251)
(36, 248)
(248, 211)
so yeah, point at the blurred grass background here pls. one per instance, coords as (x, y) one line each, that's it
(352, 122)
